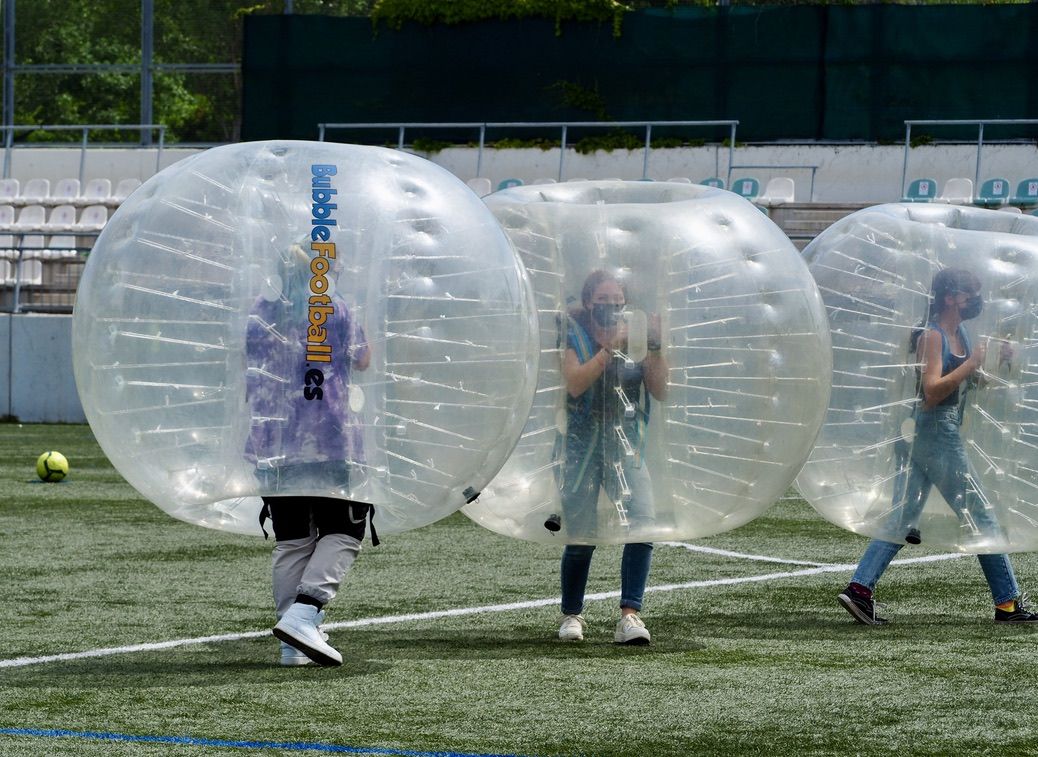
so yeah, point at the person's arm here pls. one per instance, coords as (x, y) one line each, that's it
(935, 386)
(580, 376)
(655, 370)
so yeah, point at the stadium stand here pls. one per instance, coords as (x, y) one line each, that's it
(747, 188)
(65, 191)
(779, 191)
(96, 191)
(124, 189)
(35, 192)
(1026, 193)
(920, 190)
(480, 186)
(957, 191)
(993, 193)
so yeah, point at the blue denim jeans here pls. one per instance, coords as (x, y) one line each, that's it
(938, 458)
(634, 574)
(997, 569)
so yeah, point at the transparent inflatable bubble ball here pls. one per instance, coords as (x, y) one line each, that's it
(955, 471)
(685, 364)
(305, 319)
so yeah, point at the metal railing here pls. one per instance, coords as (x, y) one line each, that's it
(84, 140)
(781, 166)
(980, 124)
(564, 126)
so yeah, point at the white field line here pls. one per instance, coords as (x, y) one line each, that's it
(19, 662)
(741, 555)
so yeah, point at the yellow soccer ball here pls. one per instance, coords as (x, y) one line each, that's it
(51, 466)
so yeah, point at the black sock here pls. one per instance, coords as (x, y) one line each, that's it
(306, 599)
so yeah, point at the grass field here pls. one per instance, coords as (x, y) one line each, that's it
(749, 655)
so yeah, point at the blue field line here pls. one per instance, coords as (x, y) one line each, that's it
(292, 746)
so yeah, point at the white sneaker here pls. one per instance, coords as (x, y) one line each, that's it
(298, 628)
(572, 628)
(292, 657)
(631, 630)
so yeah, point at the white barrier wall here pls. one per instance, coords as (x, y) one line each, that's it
(844, 173)
(36, 382)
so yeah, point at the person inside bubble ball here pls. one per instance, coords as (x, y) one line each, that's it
(607, 406)
(937, 456)
(304, 440)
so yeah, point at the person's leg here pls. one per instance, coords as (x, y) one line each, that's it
(873, 563)
(340, 528)
(295, 538)
(634, 574)
(999, 574)
(576, 564)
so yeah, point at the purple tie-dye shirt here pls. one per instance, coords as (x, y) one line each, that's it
(286, 428)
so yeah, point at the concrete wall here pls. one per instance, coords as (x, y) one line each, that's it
(36, 381)
(845, 173)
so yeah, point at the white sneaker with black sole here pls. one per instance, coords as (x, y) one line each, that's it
(631, 630)
(298, 628)
(292, 657)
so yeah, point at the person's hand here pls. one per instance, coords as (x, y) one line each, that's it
(1005, 353)
(617, 336)
(977, 358)
(655, 333)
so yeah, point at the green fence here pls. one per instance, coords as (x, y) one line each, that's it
(786, 72)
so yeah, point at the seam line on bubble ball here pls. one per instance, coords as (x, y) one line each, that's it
(18, 662)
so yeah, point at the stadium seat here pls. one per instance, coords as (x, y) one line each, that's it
(62, 246)
(507, 183)
(1009, 209)
(31, 269)
(34, 192)
(480, 186)
(713, 181)
(6, 216)
(993, 193)
(65, 191)
(921, 190)
(956, 191)
(680, 180)
(31, 217)
(576, 179)
(1026, 193)
(61, 218)
(94, 218)
(778, 191)
(96, 191)
(124, 189)
(9, 190)
(746, 188)
(543, 181)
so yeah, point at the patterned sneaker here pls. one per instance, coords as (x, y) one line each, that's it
(862, 608)
(631, 630)
(572, 628)
(1019, 614)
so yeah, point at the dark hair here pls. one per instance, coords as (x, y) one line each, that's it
(945, 282)
(594, 280)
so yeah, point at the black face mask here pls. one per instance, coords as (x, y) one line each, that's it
(606, 314)
(972, 308)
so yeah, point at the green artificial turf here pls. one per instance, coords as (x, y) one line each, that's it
(768, 667)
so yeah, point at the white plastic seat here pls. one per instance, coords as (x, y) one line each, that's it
(6, 217)
(778, 191)
(1010, 209)
(569, 180)
(680, 180)
(35, 191)
(94, 218)
(65, 191)
(96, 191)
(31, 217)
(124, 189)
(9, 190)
(62, 246)
(31, 269)
(61, 218)
(956, 192)
(543, 181)
(481, 186)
